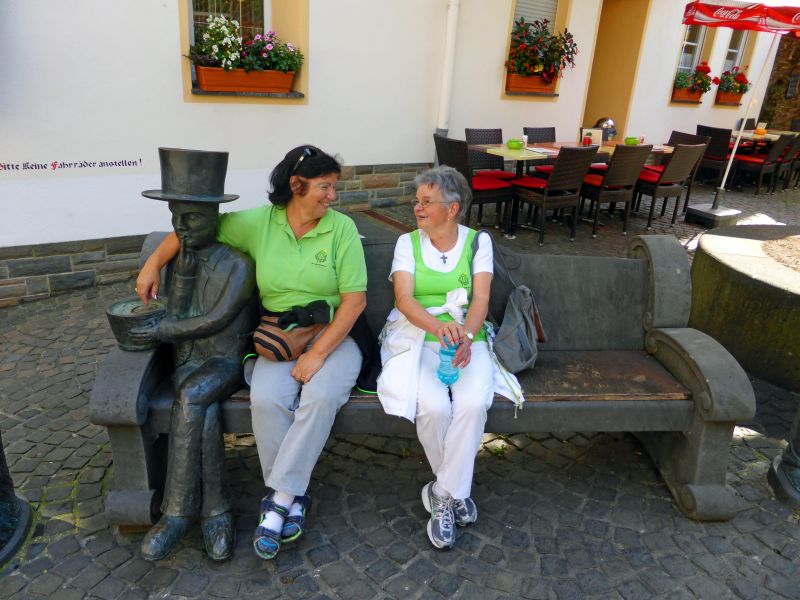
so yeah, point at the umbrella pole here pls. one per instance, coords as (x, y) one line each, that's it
(720, 191)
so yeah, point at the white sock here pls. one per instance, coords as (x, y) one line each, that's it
(272, 520)
(296, 510)
(439, 490)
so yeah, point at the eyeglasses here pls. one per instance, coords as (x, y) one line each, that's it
(426, 203)
(306, 152)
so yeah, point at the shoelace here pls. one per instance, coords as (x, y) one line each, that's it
(440, 507)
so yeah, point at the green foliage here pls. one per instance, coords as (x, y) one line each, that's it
(700, 80)
(267, 52)
(733, 81)
(537, 51)
(220, 46)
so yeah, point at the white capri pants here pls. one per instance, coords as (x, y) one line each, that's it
(451, 430)
(292, 422)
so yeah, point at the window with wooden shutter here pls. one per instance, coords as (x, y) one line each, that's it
(536, 10)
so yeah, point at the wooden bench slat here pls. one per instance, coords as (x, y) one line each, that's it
(607, 375)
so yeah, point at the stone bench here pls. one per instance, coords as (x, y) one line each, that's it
(619, 358)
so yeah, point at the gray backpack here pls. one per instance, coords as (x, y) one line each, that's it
(512, 311)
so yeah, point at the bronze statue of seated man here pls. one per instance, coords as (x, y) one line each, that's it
(211, 309)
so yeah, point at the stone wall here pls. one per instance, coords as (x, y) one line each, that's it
(41, 270)
(778, 110)
(373, 186)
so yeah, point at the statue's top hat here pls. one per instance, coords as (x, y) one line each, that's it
(192, 176)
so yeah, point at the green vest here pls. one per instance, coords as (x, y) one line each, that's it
(431, 287)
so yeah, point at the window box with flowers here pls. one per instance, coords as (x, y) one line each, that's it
(689, 87)
(733, 85)
(537, 57)
(224, 62)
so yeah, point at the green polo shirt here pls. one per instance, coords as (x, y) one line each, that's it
(324, 263)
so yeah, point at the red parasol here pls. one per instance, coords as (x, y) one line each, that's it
(744, 15)
(735, 14)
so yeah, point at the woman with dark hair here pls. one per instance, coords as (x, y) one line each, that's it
(304, 253)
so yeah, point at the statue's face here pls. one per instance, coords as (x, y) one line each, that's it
(195, 223)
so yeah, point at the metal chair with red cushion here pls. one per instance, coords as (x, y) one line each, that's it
(454, 153)
(764, 163)
(484, 164)
(671, 182)
(787, 165)
(561, 189)
(539, 135)
(690, 139)
(617, 183)
(717, 154)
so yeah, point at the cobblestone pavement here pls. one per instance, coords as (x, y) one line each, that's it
(563, 515)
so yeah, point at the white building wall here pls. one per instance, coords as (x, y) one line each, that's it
(480, 72)
(92, 81)
(652, 115)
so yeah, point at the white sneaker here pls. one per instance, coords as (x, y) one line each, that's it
(441, 526)
(465, 511)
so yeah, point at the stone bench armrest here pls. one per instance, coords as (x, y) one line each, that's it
(721, 389)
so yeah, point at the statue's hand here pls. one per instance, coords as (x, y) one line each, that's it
(167, 327)
(145, 333)
(186, 263)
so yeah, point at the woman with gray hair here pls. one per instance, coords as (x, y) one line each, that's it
(441, 297)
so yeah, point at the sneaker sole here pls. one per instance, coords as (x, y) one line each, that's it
(426, 501)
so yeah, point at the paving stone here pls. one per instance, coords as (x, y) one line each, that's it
(45, 584)
(401, 586)
(110, 588)
(189, 584)
(566, 589)
(381, 570)
(224, 587)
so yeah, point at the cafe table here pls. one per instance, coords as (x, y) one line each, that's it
(542, 150)
(771, 135)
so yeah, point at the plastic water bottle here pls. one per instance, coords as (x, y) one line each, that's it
(447, 373)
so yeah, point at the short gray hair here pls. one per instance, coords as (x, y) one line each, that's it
(452, 185)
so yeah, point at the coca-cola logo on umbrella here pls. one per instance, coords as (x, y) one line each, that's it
(796, 18)
(728, 13)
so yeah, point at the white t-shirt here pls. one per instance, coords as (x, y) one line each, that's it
(404, 254)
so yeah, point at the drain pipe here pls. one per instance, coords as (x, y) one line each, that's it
(446, 93)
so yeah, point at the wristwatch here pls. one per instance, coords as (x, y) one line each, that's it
(470, 336)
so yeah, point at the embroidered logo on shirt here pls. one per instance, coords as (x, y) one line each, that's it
(463, 279)
(321, 257)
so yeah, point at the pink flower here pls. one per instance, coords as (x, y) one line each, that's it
(264, 55)
(270, 46)
(258, 36)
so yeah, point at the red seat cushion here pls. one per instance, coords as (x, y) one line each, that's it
(656, 168)
(496, 174)
(751, 158)
(598, 167)
(593, 179)
(532, 183)
(596, 180)
(720, 158)
(544, 169)
(649, 176)
(483, 184)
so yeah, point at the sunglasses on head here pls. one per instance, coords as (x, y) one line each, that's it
(306, 152)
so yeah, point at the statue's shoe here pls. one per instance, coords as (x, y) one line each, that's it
(218, 535)
(162, 538)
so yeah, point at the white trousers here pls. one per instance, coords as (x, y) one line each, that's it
(292, 422)
(450, 430)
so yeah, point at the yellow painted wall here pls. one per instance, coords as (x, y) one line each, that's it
(615, 62)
